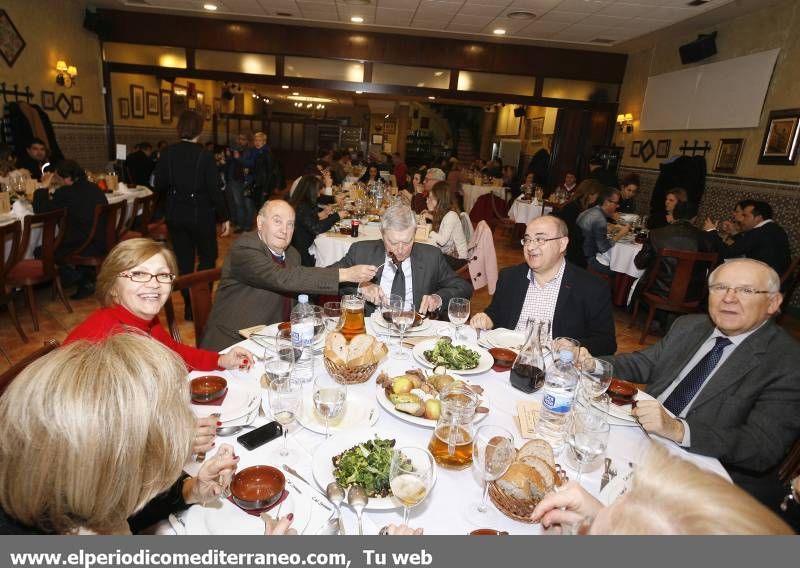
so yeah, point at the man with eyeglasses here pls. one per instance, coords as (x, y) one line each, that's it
(594, 223)
(726, 385)
(547, 287)
(416, 272)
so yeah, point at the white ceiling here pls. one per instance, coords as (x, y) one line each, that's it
(579, 23)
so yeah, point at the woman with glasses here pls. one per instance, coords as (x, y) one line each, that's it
(133, 285)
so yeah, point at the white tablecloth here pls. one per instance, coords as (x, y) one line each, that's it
(331, 246)
(473, 192)
(441, 512)
(525, 212)
(622, 255)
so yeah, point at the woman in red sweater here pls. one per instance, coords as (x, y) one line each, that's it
(133, 285)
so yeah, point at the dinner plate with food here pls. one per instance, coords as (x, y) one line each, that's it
(360, 412)
(414, 395)
(464, 358)
(383, 322)
(358, 458)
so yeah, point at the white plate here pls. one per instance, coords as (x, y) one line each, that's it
(484, 363)
(387, 405)
(505, 338)
(242, 397)
(623, 413)
(266, 337)
(360, 413)
(223, 517)
(322, 466)
(377, 319)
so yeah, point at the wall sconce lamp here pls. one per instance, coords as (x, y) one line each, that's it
(66, 74)
(625, 122)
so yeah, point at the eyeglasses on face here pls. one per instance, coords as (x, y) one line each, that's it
(745, 291)
(142, 277)
(538, 241)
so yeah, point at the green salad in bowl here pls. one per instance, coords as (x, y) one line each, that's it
(453, 357)
(366, 464)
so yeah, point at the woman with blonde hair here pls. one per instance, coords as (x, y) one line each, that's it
(94, 439)
(668, 495)
(447, 231)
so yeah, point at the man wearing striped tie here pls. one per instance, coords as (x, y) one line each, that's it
(726, 385)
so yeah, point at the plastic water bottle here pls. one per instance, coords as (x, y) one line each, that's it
(303, 339)
(560, 382)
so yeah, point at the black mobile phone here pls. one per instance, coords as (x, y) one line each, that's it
(261, 436)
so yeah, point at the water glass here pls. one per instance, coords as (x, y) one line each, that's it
(411, 476)
(329, 399)
(285, 399)
(458, 312)
(403, 314)
(588, 436)
(492, 454)
(332, 316)
(596, 375)
(280, 357)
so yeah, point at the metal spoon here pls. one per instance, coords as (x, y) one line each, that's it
(336, 496)
(357, 498)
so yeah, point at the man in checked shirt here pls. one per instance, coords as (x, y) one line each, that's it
(547, 287)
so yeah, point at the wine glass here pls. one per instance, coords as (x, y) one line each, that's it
(596, 375)
(332, 316)
(411, 476)
(278, 366)
(492, 454)
(329, 399)
(402, 317)
(285, 398)
(458, 312)
(588, 436)
(386, 313)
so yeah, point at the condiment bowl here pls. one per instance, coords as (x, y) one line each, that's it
(488, 532)
(208, 388)
(621, 392)
(257, 487)
(503, 358)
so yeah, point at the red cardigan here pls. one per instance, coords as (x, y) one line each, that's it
(116, 319)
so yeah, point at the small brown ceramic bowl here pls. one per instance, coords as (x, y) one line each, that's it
(621, 392)
(208, 388)
(487, 532)
(257, 487)
(285, 325)
(503, 358)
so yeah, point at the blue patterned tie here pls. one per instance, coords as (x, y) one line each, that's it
(691, 383)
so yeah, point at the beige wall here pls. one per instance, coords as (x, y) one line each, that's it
(775, 27)
(53, 30)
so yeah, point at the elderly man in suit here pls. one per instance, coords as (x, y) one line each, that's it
(262, 274)
(547, 287)
(726, 385)
(418, 272)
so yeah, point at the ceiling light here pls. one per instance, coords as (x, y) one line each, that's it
(309, 105)
(521, 15)
(499, 31)
(356, 19)
(438, 74)
(310, 99)
(210, 7)
(295, 94)
(359, 92)
(357, 2)
(284, 86)
(432, 98)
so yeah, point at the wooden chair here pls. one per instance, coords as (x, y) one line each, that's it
(789, 281)
(30, 272)
(106, 221)
(677, 301)
(500, 209)
(11, 374)
(9, 237)
(200, 285)
(142, 213)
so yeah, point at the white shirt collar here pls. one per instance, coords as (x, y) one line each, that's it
(737, 340)
(764, 222)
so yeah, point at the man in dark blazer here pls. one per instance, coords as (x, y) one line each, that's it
(424, 277)
(262, 275)
(759, 238)
(726, 384)
(547, 287)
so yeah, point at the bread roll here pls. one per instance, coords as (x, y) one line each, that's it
(522, 482)
(336, 348)
(539, 449)
(360, 350)
(545, 470)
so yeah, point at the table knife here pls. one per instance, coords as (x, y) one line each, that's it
(293, 472)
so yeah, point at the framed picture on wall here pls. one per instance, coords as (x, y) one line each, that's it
(207, 111)
(662, 148)
(152, 103)
(390, 127)
(377, 138)
(728, 155)
(201, 99)
(48, 100)
(137, 101)
(124, 108)
(636, 149)
(77, 105)
(11, 42)
(781, 139)
(166, 106)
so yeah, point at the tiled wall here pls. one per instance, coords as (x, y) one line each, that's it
(722, 193)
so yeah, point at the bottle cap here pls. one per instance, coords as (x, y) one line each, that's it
(302, 298)
(566, 356)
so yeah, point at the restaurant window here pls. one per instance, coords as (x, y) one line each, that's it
(251, 63)
(579, 90)
(145, 54)
(385, 74)
(496, 83)
(330, 69)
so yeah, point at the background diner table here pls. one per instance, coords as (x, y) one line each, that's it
(626, 273)
(473, 192)
(523, 212)
(331, 246)
(443, 511)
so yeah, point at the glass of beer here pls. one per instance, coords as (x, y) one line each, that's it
(451, 443)
(353, 308)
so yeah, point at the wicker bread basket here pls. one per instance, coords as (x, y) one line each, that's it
(350, 375)
(519, 509)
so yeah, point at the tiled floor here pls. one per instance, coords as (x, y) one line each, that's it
(55, 321)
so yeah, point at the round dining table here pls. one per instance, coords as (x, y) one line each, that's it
(444, 510)
(524, 211)
(473, 192)
(622, 255)
(331, 246)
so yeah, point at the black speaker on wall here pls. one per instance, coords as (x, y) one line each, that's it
(703, 47)
(519, 112)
